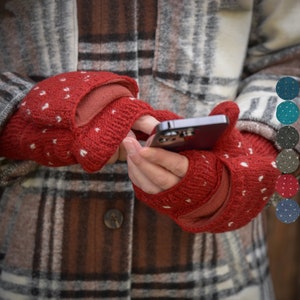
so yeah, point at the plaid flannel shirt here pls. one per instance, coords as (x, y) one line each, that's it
(187, 56)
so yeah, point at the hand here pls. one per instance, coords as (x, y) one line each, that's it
(152, 169)
(144, 124)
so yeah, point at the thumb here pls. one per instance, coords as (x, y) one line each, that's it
(145, 124)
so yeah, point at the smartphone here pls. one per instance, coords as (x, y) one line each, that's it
(199, 133)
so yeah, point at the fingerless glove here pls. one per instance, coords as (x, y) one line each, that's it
(49, 127)
(225, 188)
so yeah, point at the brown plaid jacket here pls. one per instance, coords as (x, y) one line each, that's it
(56, 240)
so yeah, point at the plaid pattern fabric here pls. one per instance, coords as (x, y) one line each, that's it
(53, 241)
(38, 38)
(12, 90)
(54, 244)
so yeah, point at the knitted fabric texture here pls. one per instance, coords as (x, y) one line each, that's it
(44, 129)
(247, 160)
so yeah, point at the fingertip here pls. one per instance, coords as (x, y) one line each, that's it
(131, 145)
(128, 139)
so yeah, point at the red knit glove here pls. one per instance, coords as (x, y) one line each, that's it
(49, 128)
(225, 188)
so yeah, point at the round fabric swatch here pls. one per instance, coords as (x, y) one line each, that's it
(287, 161)
(287, 185)
(287, 137)
(287, 88)
(287, 112)
(287, 211)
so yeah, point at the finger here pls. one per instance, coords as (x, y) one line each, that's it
(157, 175)
(145, 124)
(122, 149)
(131, 145)
(121, 153)
(134, 161)
(140, 180)
(174, 162)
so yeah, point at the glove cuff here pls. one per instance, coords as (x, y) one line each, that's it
(194, 190)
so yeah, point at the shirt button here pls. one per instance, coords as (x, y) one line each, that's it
(113, 218)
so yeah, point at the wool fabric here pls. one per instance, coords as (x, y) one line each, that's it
(252, 175)
(46, 129)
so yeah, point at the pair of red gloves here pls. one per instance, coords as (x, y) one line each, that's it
(58, 124)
